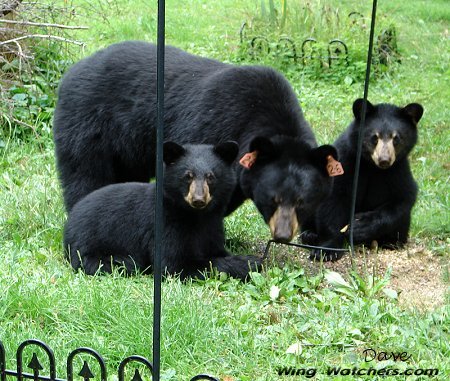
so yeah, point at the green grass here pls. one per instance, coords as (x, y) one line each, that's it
(221, 326)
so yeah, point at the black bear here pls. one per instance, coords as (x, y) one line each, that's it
(104, 125)
(114, 225)
(386, 188)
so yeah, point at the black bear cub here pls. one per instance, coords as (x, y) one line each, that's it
(114, 225)
(386, 188)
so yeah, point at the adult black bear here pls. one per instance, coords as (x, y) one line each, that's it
(114, 225)
(386, 188)
(104, 125)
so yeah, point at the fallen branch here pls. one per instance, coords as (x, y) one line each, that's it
(17, 52)
(29, 23)
(43, 36)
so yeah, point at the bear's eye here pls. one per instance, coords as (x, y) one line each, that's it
(396, 140)
(374, 139)
(210, 177)
(189, 175)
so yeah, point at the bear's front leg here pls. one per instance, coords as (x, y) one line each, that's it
(387, 225)
(331, 222)
(366, 227)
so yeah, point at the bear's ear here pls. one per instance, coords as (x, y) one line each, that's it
(414, 111)
(358, 106)
(321, 153)
(227, 151)
(260, 149)
(263, 146)
(325, 158)
(172, 152)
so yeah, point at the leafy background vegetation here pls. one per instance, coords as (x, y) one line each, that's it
(236, 331)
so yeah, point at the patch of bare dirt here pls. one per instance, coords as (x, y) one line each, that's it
(418, 274)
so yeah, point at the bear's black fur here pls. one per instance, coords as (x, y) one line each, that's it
(114, 225)
(104, 124)
(386, 188)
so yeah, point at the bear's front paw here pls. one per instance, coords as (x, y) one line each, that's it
(309, 238)
(364, 227)
(254, 263)
(325, 255)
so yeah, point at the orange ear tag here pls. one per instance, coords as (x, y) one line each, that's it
(334, 168)
(248, 159)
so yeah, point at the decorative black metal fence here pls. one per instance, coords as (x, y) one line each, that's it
(309, 50)
(28, 357)
(337, 50)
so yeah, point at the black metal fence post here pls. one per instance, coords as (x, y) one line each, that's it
(361, 128)
(159, 192)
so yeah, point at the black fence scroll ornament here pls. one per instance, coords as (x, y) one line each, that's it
(335, 51)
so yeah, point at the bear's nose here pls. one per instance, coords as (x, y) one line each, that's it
(198, 203)
(282, 238)
(383, 164)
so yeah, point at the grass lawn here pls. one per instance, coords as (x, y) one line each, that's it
(220, 326)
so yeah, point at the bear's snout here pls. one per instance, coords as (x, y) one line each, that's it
(284, 224)
(384, 153)
(198, 195)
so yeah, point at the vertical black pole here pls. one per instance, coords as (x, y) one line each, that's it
(159, 192)
(361, 127)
